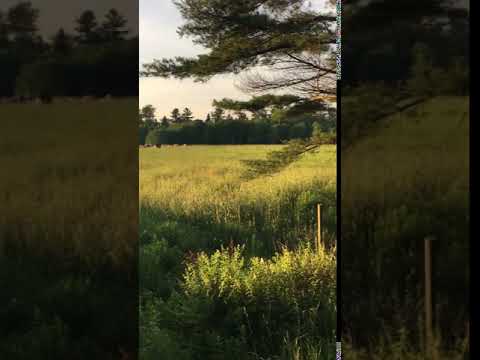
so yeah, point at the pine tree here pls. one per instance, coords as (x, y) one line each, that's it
(288, 34)
(187, 115)
(113, 27)
(294, 40)
(22, 21)
(147, 116)
(87, 28)
(175, 116)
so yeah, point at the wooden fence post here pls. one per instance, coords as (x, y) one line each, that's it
(319, 227)
(428, 299)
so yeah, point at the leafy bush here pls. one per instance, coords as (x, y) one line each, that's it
(229, 306)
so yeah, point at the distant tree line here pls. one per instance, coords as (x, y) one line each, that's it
(263, 120)
(98, 59)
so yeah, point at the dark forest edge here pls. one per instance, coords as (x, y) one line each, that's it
(85, 63)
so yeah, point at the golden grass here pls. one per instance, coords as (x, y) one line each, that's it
(68, 185)
(190, 176)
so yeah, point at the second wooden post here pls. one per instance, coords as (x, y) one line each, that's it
(319, 227)
(428, 299)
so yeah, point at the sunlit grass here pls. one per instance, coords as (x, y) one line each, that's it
(196, 206)
(206, 181)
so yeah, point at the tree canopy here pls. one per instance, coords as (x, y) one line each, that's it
(278, 45)
(422, 53)
(295, 39)
(379, 46)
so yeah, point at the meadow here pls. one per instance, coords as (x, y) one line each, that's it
(227, 266)
(407, 180)
(67, 268)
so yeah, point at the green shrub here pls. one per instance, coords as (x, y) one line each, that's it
(232, 307)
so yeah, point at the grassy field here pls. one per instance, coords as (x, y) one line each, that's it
(427, 144)
(68, 166)
(226, 265)
(67, 268)
(408, 179)
(203, 182)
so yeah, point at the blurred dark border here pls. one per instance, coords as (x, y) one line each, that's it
(405, 165)
(69, 184)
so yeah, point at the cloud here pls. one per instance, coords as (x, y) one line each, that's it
(167, 94)
(159, 21)
(159, 39)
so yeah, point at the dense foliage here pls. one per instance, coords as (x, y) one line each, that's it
(383, 35)
(263, 120)
(428, 57)
(230, 306)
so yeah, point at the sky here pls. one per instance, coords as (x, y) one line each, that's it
(55, 14)
(159, 20)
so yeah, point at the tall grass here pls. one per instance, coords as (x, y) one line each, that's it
(195, 211)
(407, 180)
(68, 229)
(201, 185)
(69, 178)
